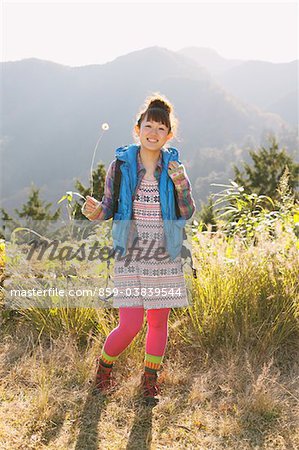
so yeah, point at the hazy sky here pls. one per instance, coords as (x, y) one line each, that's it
(77, 33)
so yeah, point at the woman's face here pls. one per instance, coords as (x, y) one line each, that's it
(153, 135)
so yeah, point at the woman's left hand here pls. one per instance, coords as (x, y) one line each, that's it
(172, 165)
(176, 171)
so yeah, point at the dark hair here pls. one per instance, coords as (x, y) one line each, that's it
(159, 109)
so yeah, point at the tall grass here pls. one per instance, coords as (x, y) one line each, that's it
(247, 300)
(247, 292)
(245, 296)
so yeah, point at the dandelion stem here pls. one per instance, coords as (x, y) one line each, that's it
(105, 127)
(91, 167)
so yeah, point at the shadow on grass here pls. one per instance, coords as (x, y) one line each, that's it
(141, 433)
(88, 438)
(53, 427)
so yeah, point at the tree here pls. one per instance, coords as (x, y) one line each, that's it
(268, 166)
(35, 214)
(37, 209)
(98, 183)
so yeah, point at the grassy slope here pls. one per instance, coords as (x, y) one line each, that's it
(232, 401)
(233, 384)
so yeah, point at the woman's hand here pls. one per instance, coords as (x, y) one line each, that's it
(173, 165)
(176, 172)
(90, 207)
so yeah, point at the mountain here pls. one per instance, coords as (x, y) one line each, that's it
(270, 86)
(209, 59)
(286, 107)
(52, 116)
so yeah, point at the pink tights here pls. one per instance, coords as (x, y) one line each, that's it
(131, 322)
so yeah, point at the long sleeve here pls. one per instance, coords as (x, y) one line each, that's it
(183, 188)
(104, 209)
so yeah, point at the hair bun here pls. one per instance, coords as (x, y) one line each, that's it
(158, 103)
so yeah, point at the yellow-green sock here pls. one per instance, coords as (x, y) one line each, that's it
(107, 360)
(152, 363)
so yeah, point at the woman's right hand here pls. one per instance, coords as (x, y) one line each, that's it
(91, 207)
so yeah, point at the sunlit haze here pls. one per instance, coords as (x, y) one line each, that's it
(76, 34)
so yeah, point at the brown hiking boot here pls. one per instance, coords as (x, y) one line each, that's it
(104, 380)
(150, 387)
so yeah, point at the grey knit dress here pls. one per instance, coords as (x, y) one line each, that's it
(150, 283)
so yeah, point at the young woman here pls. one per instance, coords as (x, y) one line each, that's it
(152, 176)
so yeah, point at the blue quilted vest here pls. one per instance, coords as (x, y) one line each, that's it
(173, 227)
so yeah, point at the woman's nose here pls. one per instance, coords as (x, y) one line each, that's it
(153, 133)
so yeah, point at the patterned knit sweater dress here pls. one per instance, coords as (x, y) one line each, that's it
(151, 282)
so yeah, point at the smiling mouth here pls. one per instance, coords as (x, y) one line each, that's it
(152, 141)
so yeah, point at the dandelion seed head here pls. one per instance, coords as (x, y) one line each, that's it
(105, 126)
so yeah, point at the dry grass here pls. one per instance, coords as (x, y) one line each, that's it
(230, 377)
(231, 402)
